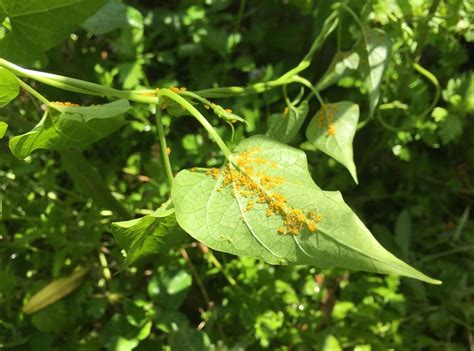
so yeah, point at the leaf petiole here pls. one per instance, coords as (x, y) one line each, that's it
(164, 147)
(196, 114)
(32, 91)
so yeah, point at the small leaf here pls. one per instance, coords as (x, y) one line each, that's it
(265, 205)
(285, 126)
(66, 127)
(332, 131)
(342, 65)
(9, 87)
(54, 291)
(3, 129)
(148, 235)
(374, 63)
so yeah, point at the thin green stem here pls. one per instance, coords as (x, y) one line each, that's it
(356, 18)
(33, 92)
(240, 14)
(205, 123)
(308, 84)
(218, 265)
(432, 78)
(164, 147)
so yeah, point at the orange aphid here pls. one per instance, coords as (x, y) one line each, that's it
(260, 187)
(331, 129)
(64, 104)
(285, 111)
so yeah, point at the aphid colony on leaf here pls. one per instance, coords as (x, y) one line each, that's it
(258, 187)
(64, 104)
(325, 118)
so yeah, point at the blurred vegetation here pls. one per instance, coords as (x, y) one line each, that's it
(416, 185)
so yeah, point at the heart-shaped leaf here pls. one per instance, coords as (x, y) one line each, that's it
(342, 65)
(264, 204)
(64, 127)
(9, 87)
(374, 63)
(286, 125)
(37, 26)
(332, 131)
(151, 234)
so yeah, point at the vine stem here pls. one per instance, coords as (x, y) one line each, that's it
(432, 78)
(32, 91)
(308, 84)
(164, 147)
(356, 18)
(195, 112)
(77, 85)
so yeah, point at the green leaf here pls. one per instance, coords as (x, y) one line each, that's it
(37, 26)
(375, 60)
(113, 15)
(269, 208)
(286, 125)
(3, 129)
(65, 127)
(148, 235)
(332, 131)
(9, 87)
(342, 65)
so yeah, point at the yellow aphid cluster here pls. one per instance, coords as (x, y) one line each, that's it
(258, 187)
(177, 90)
(325, 118)
(64, 104)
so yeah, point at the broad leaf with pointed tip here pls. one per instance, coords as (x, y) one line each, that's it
(9, 87)
(37, 26)
(333, 132)
(151, 234)
(342, 65)
(374, 63)
(285, 126)
(65, 127)
(214, 213)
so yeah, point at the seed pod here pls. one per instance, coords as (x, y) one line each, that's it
(54, 291)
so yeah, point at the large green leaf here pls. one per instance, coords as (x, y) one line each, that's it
(151, 234)
(66, 127)
(9, 87)
(374, 63)
(342, 65)
(266, 205)
(39, 25)
(285, 126)
(332, 130)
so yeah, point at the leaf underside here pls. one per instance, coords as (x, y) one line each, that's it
(332, 131)
(65, 127)
(212, 208)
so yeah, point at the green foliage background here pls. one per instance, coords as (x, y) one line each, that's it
(414, 161)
